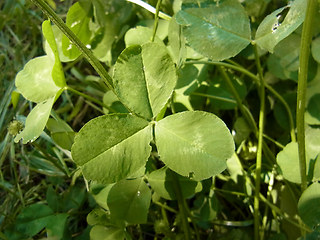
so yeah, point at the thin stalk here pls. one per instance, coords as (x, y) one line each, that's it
(213, 97)
(259, 151)
(240, 69)
(238, 99)
(306, 38)
(46, 9)
(156, 20)
(182, 206)
(170, 209)
(92, 99)
(150, 8)
(247, 115)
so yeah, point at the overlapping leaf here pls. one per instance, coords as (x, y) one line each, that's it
(144, 78)
(216, 29)
(161, 182)
(110, 148)
(36, 121)
(271, 31)
(194, 144)
(129, 200)
(308, 205)
(78, 18)
(41, 81)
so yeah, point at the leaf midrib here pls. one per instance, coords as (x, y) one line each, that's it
(123, 140)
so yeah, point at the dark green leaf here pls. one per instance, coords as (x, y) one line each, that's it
(161, 183)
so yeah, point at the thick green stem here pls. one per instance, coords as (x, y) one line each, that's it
(259, 151)
(182, 205)
(306, 38)
(46, 9)
(156, 20)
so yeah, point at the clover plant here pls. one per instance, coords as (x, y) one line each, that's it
(158, 139)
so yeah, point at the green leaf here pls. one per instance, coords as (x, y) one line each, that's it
(176, 42)
(35, 81)
(140, 35)
(117, 143)
(106, 233)
(57, 70)
(33, 219)
(36, 121)
(97, 217)
(78, 18)
(58, 39)
(61, 132)
(112, 17)
(217, 30)
(144, 78)
(308, 205)
(315, 49)
(314, 106)
(271, 30)
(194, 144)
(129, 200)
(102, 196)
(288, 160)
(161, 182)
(57, 225)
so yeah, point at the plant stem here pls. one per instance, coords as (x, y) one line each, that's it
(92, 99)
(150, 8)
(259, 151)
(306, 38)
(156, 20)
(46, 9)
(181, 204)
(257, 81)
(235, 94)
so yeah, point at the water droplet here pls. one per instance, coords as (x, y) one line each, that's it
(88, 46)
(138, 193)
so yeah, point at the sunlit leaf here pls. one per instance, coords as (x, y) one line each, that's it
(271, 30)
(129, 200)
(216, 29)
(118, 144)
(57, 70)
(194, 144)
(106, 233)
(36, 121)
(140, 35)
(144, 78)
(288, 160)
(78, 18)
(35, 81)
